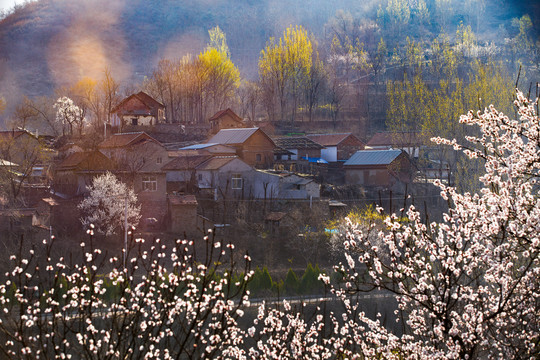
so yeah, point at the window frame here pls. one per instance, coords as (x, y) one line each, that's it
(149, 183)
(237, 182)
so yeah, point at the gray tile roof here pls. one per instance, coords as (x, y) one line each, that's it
(232, 136)
(373, 157)
(297, 143)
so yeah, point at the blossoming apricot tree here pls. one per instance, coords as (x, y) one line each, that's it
(467, 287)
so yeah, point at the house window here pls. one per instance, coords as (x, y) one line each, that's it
(134, 121)
(258, 157)
(149, 183)
(159, 160)
(236, 181)
(200, 177)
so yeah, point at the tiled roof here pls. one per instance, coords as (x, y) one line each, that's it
(125, 139)
(223, 112)
(216, 162)
(233, 136)
(143, 97)
(89, 160)
(373, 157)
(329, 139)
(148, 100)
(189, 162)
(301, 142)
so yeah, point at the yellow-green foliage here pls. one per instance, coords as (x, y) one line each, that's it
(217, 66)
(365, 215)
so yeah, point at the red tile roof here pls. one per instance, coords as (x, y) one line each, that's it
(86, 161)
(331, 139)
(228, 111)
(126, 139)
(143, 97)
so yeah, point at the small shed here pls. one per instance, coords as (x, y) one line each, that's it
(378, 168)
(338, 146)
(225, 119)
(183, 214)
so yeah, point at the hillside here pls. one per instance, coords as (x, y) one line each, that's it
(48, 44)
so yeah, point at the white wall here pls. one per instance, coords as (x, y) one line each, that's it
(329, 153)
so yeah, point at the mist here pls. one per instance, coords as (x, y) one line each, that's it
(50, 44)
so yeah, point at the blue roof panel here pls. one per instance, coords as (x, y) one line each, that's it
(198, 146)
(373, 157)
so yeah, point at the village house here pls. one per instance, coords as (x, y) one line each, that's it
(183, 214)
(75, 173)
(135, 152)
(301, 155)
(252, 145)
(181, 174)
(382, 168)
(137, 109)
(274, 185)
(27, 154)
(337, 147)
(225, 119)
(139, 159)
(226, 176)
(68, 149)
(300, 147)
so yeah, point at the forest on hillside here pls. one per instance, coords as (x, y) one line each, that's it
(410, 67)
(340, 62)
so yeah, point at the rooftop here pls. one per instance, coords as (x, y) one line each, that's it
(300, 142)
(126, 139)
(233, 136)
(189, 162)
(331, 139)
(373, 157)
(216, 162)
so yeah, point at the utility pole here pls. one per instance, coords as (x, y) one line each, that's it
(125, 227)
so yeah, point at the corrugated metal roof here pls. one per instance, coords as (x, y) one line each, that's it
(232, 136)
(198, 146)
(373, 157)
